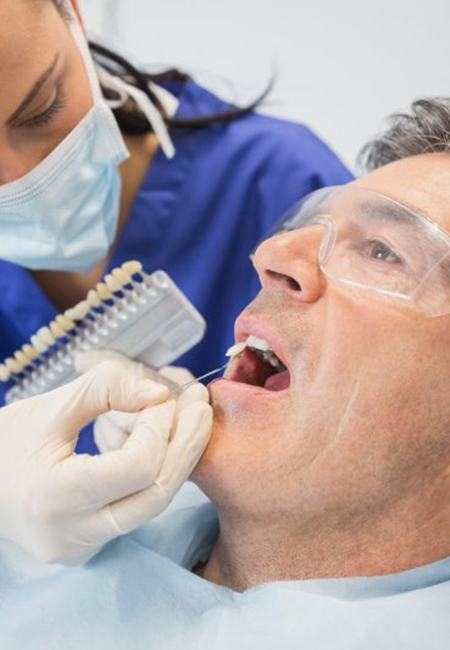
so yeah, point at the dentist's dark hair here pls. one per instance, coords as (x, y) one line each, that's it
(130, 119)
(425, 128)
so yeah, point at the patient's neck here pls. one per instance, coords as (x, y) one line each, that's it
(248, 554)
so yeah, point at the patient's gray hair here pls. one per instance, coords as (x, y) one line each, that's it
(424, 129)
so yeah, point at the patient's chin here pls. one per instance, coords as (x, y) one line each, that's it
(204, 465)
(209, 471)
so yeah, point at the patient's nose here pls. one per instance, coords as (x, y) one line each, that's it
(290, 261)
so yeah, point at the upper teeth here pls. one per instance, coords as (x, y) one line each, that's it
(257, 344)
(260, 346)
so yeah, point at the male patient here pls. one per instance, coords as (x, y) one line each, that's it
(329, 469)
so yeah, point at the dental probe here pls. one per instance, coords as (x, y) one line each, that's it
(176, 392)
(233, 353)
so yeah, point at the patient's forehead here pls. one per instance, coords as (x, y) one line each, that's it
(421, 182)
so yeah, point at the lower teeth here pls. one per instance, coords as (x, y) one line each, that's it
(269, 357)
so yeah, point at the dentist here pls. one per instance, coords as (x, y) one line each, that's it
(100, 163)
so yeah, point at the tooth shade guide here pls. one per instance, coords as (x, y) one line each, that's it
(148, 318)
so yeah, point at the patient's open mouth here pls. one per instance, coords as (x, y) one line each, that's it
(258, 365)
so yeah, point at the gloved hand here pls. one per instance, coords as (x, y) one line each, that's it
(62, 507)
(111, 430)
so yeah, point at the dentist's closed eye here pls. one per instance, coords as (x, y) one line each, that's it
(47, 116)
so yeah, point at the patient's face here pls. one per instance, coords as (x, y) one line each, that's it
(364, 421)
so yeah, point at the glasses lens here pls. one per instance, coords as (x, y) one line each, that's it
(371, 241)
(382, 245)
(432, 296)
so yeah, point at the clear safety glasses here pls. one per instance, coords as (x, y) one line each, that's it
(373, 242)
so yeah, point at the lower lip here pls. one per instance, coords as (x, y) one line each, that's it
(245, 390)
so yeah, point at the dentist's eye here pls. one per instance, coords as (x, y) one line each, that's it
(380, 251)
(48, 115)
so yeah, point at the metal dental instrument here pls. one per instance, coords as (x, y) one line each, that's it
(176, 392)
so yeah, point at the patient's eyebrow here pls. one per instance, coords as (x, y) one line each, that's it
(33, 92)
(387, 212)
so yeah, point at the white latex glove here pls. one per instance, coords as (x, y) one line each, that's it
(62, 507)
(112, 429)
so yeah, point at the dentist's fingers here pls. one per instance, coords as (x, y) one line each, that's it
(112, 429)
(169, 376)
(107, 386)
(195, 393)
(92, 482)
(84, 361)
(186, 446)
(179, 376)
(183, 453)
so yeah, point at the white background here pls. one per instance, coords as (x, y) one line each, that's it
(342, 65)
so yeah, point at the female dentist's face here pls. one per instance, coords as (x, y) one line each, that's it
(43, 84)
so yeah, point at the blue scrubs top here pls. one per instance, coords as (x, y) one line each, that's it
(198, 217)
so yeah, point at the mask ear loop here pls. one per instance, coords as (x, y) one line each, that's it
(150, 111)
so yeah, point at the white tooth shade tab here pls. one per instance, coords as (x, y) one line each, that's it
(112, 283)
(5, 374)
(121, 277)
(22, 359)
(103, 291)
(65, 322)
(45, 335)
(13, 366)
(93, 299)
(132, 267)
(57, 330)
(29, 351)
(38, 344)
(80, 310)
(236, 349)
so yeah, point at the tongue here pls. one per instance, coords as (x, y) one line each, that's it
(280, 381)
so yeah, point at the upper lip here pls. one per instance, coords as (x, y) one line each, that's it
(250, 325)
